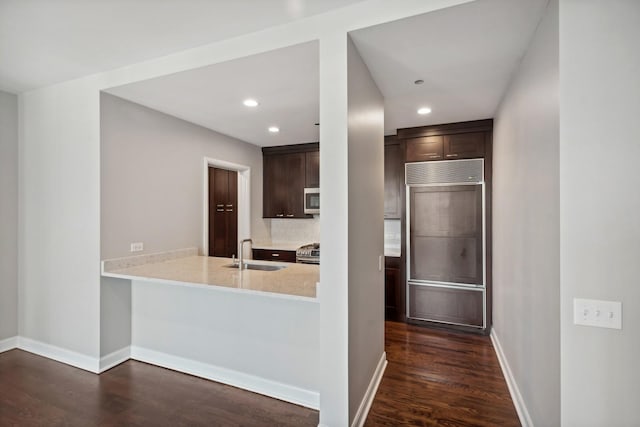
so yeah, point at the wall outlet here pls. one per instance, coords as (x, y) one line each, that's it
(601, 314)
(137, 247)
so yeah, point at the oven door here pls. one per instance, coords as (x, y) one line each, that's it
(311, 200)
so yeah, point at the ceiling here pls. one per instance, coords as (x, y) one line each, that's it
(465, 54)
(43, 42)
(285, 82)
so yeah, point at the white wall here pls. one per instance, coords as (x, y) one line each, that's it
(366, 227)
(526, 225)
(152, 178)
(270, 338)
(59, 202)
(8, 215)
(600, 202)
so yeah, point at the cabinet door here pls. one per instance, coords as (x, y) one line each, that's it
(223, 220)
(312, 167)
(464, 145)
(274, 196)
(393, 181)
(425, 149)
(293, 187)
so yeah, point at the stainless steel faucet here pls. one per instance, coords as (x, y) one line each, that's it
(242, 242)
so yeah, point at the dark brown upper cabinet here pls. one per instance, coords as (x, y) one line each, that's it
(312, 160)
(287, 170)
(425, 149)
(464, 145)
(393, 178)
(452, 141)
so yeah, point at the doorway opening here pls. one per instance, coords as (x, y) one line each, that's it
(227, 207)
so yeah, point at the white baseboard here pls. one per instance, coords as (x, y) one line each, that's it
(288, 393)
(69, 357)
(113, 359)
(8, 344)
(518, 401)
(367, 400)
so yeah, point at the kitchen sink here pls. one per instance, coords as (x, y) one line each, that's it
(261, 267)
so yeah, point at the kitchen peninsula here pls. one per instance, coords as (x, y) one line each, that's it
(185, 267)
(252, 329)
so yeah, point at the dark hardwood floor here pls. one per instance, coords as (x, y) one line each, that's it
(434, 378)
(35, 391)
(440, 378)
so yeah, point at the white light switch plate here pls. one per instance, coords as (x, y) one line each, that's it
(601, 314)
(137, 247)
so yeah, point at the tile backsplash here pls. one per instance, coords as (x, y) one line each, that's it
(392, 233)
(295, 230)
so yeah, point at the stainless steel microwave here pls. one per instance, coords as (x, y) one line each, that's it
(312, 201)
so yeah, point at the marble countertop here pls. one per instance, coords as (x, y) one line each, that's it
(297, 280)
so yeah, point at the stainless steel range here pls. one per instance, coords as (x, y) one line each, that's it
(308, 254)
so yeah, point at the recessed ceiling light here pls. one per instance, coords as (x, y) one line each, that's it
(424, 110)
(250, 102)
(274, 129)
(418, 82)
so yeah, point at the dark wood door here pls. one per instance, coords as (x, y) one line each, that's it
(425, 149)
(393, 181)
(312, 160)
(294, 185)
(274, 193)
(284, 178)
(464, 145)
(393, 289)
(223, 212)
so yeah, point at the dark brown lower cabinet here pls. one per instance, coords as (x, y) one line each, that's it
(393, 289)
(274, 255)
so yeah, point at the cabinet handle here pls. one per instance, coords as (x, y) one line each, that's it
(452, 155)
(219, 210)
(275, 255)
(219, 206)
(229, 206)
(434, 157)
(290, 215)
(229, 210)
(279, 215)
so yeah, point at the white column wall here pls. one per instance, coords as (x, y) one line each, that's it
(366, 229)
(526, 227)
(599, 208)
(59, 235)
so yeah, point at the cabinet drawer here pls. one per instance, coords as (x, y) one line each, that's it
(274, 255)
(448, 305)
(425, 149)
(464, 146)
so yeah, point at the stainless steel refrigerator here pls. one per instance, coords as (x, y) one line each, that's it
(446, 242)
